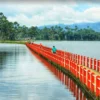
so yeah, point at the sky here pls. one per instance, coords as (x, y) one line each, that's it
(45, 12)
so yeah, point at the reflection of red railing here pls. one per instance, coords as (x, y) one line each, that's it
(69, 83)
(85, 68)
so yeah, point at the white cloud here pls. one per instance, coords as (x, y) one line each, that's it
(93, 14)
(44, 14)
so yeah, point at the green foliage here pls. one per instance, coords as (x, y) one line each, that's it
(13, 31)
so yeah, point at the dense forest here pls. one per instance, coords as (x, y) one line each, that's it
(14, 31)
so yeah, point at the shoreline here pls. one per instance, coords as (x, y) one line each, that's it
(13, 42)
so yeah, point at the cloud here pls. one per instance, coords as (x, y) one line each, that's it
(39, 1)
(93, 13)
(44, 14)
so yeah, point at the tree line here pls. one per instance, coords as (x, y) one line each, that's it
(14, 31)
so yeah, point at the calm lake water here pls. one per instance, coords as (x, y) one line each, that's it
(86, 48)
(24, 77)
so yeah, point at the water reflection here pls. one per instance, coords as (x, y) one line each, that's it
(24, 77)
(68, 82)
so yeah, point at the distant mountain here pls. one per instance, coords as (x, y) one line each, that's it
(95, 26)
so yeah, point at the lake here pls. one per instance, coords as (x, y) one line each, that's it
(25, 77)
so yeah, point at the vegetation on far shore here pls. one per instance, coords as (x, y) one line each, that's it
(13, 42)
(13, 31)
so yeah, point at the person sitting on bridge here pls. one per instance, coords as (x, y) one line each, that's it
(54, 49)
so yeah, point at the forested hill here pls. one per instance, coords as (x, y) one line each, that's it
(95, 26)
(14, 31)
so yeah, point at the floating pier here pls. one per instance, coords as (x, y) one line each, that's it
(84, 70)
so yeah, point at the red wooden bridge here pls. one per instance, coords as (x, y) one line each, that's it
(86, 69)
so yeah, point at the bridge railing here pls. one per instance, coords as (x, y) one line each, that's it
(79, 66)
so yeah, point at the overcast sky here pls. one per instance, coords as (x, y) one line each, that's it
(51, 12)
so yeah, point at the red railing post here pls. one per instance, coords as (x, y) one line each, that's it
(98, 86)
(98, 65)
(84, 75)
(91, 63)
(92, 82)
(95, 64)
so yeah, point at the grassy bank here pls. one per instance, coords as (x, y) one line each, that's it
(13, 42)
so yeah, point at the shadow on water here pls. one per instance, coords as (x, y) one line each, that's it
(66, 80)
(3, 59)
(8, 53)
